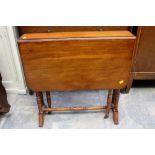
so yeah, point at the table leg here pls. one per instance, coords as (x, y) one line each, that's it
(40, 108)
(49, 102)
(42, 99)
(116, 95)
(109, 101)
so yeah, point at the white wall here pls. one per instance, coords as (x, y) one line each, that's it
(10, 65)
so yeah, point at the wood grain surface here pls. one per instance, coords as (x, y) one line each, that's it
(100, 61)
(144, 67)
(49, 29)
(86, 34)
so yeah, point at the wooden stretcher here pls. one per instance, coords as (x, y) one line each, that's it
(77, 61)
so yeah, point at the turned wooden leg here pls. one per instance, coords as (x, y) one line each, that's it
(40, 107)
(116, 95)
(49, 102)
(113, 98)
(109, 101)
(42, 99)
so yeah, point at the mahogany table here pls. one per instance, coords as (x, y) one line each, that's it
(77, 61)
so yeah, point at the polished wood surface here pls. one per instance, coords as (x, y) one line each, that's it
(144, 75)
(77, 61)
(40, 108)
(109, 102)
(144, 59)
(116, 95)
(86, 34)
(75, 108)
(137, 32)
(144, 67)
(45, 29)
(48, 97)
(144, 55)
(78, 64)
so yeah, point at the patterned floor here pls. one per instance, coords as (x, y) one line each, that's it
(137, 110)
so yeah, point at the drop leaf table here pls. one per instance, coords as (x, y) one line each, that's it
(88, 60)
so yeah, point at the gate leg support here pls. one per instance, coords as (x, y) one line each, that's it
(40, 108)
(109, 101)
(116, 95)
(49, 102)
(42, 99)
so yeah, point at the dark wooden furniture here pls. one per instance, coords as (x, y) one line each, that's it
(144, 59)
(46, 29)
(77, 61)
(4, 106)
(143, 67)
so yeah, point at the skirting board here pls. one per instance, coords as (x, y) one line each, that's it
(12, 87)
(16, 91)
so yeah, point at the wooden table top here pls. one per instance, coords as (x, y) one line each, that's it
(77, 60)
(85, 34)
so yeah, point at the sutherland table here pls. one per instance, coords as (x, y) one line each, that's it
(77, 61)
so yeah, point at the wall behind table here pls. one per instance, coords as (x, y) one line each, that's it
(10, 64)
